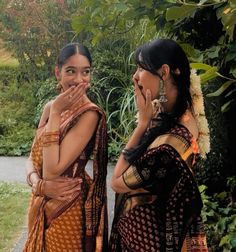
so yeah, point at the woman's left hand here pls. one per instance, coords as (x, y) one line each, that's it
(144, 105)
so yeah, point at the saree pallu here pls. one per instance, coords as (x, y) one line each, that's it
(163, 213)
(55, 225)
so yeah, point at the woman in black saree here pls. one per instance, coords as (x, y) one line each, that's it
(158, 204)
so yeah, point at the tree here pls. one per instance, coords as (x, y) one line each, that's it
(35, 30)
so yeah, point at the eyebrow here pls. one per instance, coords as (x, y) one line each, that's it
(85, 67)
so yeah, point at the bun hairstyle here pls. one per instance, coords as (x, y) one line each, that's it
(70, 50)
(151, 56)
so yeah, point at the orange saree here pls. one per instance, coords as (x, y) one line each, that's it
(55, 225)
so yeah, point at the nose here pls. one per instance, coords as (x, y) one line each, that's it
(135, 77)
(78, 78)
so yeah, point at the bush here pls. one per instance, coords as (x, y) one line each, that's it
(219, 215)
(16, 113)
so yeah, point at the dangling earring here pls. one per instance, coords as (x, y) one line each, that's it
(59, 87)
(162, 93)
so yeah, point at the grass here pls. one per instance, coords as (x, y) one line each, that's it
(14, 198)
(6, 59)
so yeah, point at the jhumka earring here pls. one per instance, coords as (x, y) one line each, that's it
(162, 92)
(59, 88)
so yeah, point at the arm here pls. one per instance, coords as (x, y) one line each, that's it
(122, 165)
(65, 187)
(145, 114)
(32, 176)
(57, 158)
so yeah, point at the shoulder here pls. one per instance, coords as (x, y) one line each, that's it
(86, 121)
(93, 110)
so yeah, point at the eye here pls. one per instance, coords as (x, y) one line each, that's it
(86, 72)
(70, 71)
(140, 69)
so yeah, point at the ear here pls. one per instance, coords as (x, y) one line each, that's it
(57, 72)
(165, 71)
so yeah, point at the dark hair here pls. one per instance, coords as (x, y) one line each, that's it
(151, 56)
(70, 50)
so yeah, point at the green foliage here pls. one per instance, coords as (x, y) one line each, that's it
(14, 202)
(36, 30)
(210, 27)
(46, 92)
(219, 213)
(16, 113)
(113, 18)
(214, 170)
(120, 121)
(205, 25)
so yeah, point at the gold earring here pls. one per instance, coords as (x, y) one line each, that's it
(59, 88)
(162, 93)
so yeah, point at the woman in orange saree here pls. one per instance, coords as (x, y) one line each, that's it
(68, 208)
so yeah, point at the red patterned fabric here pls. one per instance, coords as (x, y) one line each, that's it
(174, 216)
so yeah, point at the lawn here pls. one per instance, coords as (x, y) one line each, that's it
(6, 58)
(14, 198)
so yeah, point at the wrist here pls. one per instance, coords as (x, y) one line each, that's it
(142, 126)
(38, 188)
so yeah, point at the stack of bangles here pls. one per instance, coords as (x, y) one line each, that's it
(37, 188)
(51, 138)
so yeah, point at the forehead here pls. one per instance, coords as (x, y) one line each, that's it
(78, 61)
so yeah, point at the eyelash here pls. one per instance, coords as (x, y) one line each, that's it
(140, 69)
(84, 73)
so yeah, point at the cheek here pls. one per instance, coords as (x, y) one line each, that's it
(88, 78)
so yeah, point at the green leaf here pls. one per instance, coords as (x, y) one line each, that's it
(233, 71)
(221, 89)
(230, 56)
(179, 12)
(224, 240)
(191, 52)
(221, 225)
(200, 66)
(226, 106)
(209, 75)
(214, 53)
(230, 93)
(202, 188)
(232, 238)
(121, 6)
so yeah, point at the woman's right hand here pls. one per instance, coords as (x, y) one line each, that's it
(62, 188)
(144, 105)
(66, 99)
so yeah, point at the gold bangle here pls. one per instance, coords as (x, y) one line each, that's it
(28, 178)
(50, 138)
(38, 188)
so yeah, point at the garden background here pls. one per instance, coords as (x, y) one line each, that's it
(33, 31)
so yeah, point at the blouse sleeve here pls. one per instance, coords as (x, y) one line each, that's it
(152, 169)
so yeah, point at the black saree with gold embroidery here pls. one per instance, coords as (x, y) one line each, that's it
(162, 212)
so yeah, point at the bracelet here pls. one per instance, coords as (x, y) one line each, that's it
(51, 138)
(28, 178)
(125, 151)
(38, 188)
